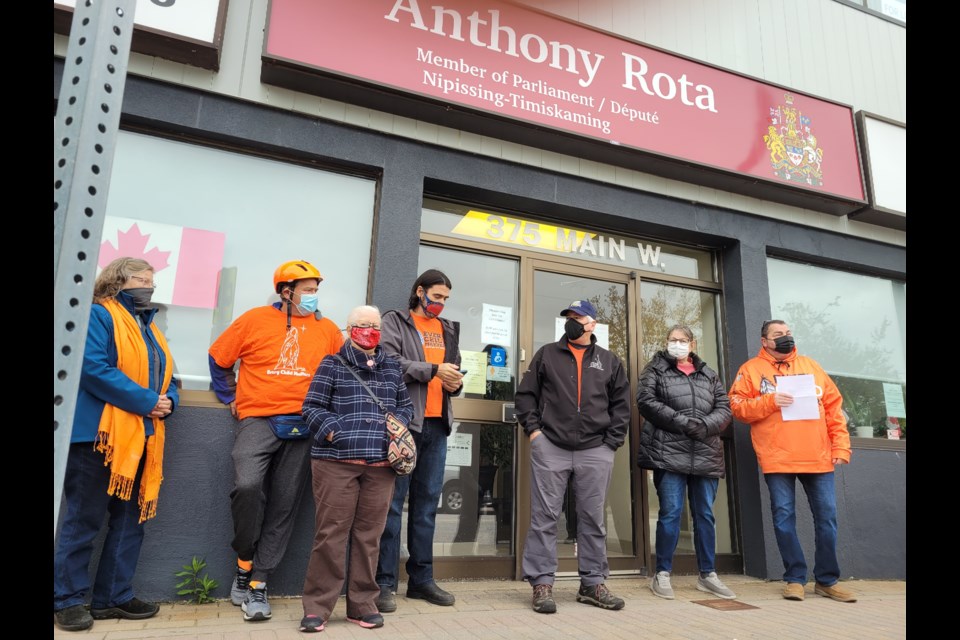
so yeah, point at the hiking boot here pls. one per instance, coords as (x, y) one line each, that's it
(711, 584)
(368, 621)
(240, 586)
(660, 585)
(256, 607)
(793, 591)
(834, 592)
(75, 618)
(599, 596)
(133, 609)
(387, 602)
(431, 593)
(311, 624)
(543, 601)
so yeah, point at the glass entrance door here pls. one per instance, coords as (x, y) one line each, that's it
(613, 294)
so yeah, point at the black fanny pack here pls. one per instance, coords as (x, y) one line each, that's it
(289, 427)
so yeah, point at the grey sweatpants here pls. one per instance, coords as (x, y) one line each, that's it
(269, 477)
(550, 468)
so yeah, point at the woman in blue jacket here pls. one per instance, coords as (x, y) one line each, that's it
(116, 449)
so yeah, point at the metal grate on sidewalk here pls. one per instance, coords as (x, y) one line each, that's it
(725, 605)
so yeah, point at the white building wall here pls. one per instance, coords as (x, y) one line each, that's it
(821, 47)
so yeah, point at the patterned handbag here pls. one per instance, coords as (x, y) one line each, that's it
(402, 451)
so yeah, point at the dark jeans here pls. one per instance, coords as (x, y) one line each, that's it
(85, 489)
(702, 492)
(822, 497)
(424, 486)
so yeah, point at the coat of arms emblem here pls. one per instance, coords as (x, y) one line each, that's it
(794, 153)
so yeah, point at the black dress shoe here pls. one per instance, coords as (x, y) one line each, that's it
(134, 609)
(75, 618)
(431, 593)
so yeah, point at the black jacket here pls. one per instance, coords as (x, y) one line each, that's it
(668, 399)
(547, 397)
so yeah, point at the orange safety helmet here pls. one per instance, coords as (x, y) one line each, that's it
(288, 272)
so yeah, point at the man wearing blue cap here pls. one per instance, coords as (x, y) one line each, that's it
(574, 405)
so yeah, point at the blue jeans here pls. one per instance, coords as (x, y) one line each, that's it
(424, 486)
(85, 489)
(822, 497)
(701, 491)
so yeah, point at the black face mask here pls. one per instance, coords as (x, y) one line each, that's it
(141, 297)
(573, 329)
(784, 344)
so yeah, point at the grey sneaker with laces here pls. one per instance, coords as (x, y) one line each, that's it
(599, 596)
(660, 585)
(712, 584)
(256, 607)
(240, 587)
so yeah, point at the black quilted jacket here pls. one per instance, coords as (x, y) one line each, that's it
(668, 399)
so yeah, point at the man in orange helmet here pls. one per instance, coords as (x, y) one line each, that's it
(279, 347)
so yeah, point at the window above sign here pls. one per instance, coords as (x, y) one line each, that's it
(583, 243)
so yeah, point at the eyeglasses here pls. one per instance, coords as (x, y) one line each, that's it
(367, 326)
(149, 284)
(683, 341)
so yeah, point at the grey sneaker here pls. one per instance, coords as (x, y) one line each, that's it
(599, 596)
(712, 584)
(543, 601)
(256, 607)
(387, 602)
(240, 587)
(660, 585)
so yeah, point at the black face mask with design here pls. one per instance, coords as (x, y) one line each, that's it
(785, 344)
(573, 329)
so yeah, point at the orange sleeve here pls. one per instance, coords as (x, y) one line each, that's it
(746, 402)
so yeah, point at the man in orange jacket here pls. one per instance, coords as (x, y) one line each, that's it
(791, 450)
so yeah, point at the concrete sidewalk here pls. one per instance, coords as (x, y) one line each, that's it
(501, 610)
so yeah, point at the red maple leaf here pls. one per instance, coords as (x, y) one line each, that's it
(131, 244)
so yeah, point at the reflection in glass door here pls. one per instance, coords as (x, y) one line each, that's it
(554, 292)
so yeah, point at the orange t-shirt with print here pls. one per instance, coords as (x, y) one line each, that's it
(431, 335)
(276, 366)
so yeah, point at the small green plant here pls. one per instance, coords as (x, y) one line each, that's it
(198, 588)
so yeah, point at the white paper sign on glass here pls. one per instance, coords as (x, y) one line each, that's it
(459, 449)
(497, 325)
(893, 398)
(196, 19)
(602, 331)
(805, 394)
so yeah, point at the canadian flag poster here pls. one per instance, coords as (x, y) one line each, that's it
(186, 261)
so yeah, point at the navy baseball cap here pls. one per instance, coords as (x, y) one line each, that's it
(582, 308)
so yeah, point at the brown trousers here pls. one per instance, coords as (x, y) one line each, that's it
(351, 500)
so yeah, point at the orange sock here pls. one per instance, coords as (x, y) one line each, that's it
(246, 565)
(256, 584)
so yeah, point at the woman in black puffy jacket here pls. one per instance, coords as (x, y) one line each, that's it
(685, 407)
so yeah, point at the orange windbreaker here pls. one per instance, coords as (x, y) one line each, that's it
(797, 446)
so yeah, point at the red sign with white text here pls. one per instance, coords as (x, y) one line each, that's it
(522, 64)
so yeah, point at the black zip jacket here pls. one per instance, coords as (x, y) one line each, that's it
(668, 399)
(547, 397)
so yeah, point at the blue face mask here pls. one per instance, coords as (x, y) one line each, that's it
(308, 302)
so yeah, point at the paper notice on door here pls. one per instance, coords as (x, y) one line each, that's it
(805, 401)
(475, 365)
(497, 325)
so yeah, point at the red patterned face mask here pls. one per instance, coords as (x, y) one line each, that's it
(365, 337)
(433, 309)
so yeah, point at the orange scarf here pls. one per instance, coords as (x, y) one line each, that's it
(121, 435)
